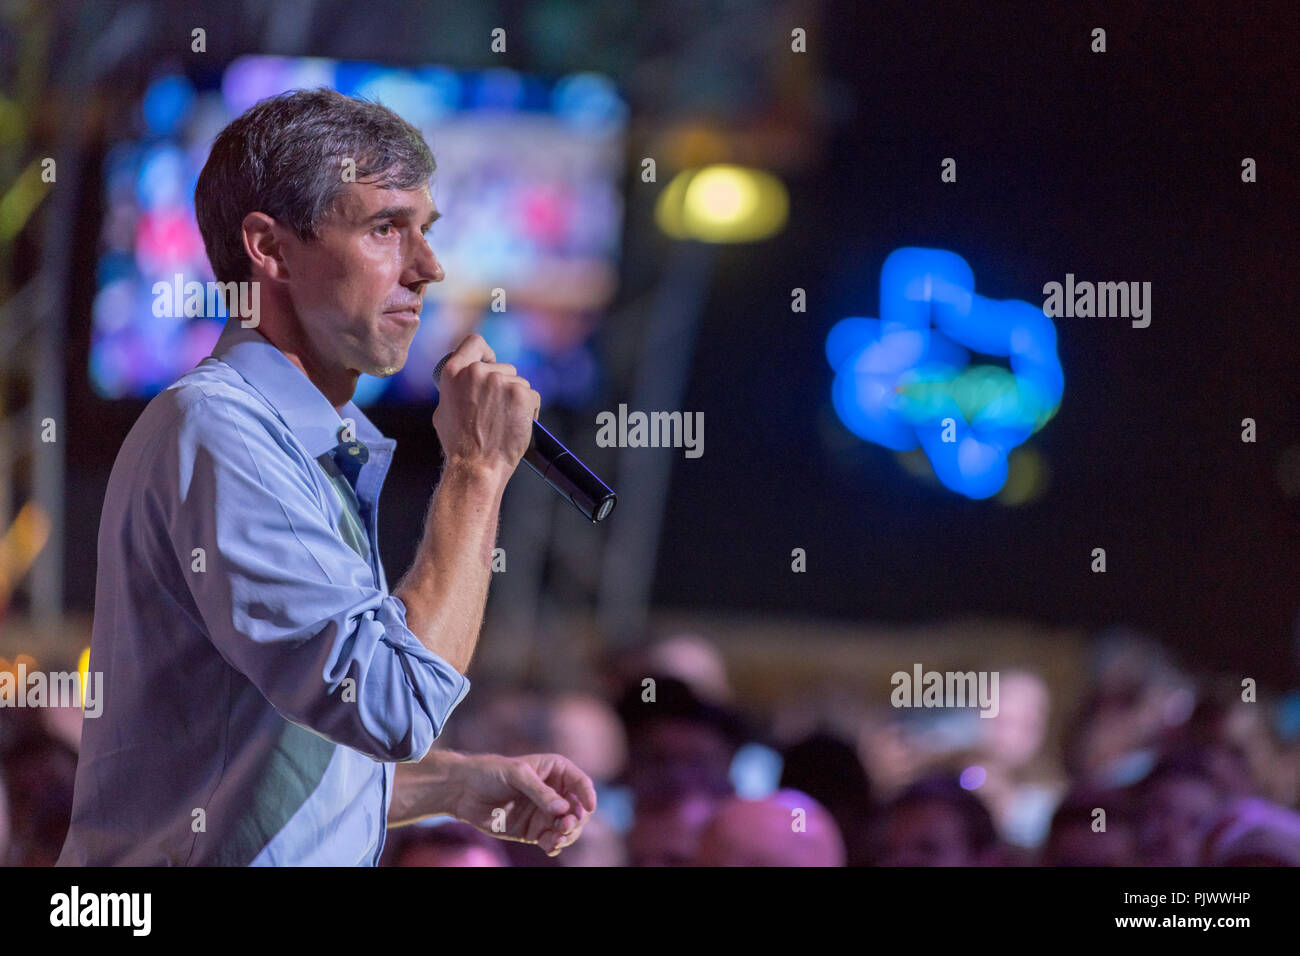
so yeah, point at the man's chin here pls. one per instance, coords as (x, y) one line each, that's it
(383, 371)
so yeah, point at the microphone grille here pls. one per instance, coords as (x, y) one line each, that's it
(437, 369)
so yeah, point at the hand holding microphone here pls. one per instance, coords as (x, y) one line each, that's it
(484, 407)
(487, 412)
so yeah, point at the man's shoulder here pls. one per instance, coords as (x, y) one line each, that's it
(209, 408)
(206, 400)
(215, 382)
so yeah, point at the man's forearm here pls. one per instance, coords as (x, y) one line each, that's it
(423, 789)
(445, 591)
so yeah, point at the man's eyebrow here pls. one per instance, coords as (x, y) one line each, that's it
(400, 212)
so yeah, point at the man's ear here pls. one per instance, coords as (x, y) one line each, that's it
(263, 247)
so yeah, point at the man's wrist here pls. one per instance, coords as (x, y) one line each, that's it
(477, 473)
(444, 781)
(427, 788)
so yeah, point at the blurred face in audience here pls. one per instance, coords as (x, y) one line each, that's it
(679, 756)
(588, 732)
(670, 835)
(1016, 734)
(1078, 845)
(925, 834)
(1178, 814)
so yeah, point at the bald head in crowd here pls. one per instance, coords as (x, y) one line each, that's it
(788, 828)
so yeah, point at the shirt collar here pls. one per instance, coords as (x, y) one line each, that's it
(304, 408)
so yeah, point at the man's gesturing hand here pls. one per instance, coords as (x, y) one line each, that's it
(546, 798)
(485, 409)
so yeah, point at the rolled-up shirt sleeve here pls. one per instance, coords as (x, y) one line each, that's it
(283, 598)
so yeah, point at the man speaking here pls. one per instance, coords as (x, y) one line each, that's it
(268, 701)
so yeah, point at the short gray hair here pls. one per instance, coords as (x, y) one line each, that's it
(283, 157)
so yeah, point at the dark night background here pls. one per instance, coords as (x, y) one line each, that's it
(1123, 166)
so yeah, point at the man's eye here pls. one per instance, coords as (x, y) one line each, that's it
(384, 228)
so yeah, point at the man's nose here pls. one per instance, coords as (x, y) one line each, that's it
(425, 266)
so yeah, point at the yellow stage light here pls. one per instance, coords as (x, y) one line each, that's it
(722, 204)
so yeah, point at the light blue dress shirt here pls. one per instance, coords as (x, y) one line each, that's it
(259, 679)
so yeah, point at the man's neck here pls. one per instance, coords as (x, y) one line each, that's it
(338, 390)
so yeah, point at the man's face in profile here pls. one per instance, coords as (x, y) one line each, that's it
(357, 290)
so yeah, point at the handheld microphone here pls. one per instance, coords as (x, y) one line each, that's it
(561, 469)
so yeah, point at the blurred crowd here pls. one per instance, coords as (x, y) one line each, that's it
(1150, 765)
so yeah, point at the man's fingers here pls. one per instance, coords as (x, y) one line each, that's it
(543, 778)
(566, 777)
(564, 838)
(475, 357)
(562, 800)
(473, 348)
(526, 780)
(496, 368)
(578, 784)
(510, 378)
(528, 395)
(485, 368)
(553, 841)
(574, 784)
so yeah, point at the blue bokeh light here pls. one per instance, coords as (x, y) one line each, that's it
(906, 380)
(166, 103)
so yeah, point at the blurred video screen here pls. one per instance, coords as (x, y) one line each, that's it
(528, 181)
